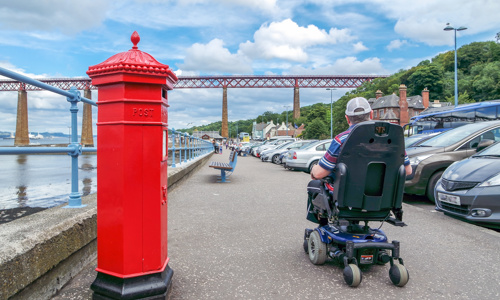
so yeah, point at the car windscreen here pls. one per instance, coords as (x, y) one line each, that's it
(283, 145)
(452, 136)
(493, 150)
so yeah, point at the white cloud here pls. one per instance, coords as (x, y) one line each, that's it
(287, 40)
(358, 47)
(69, 17)
(213, 57)
(396, 44)
(423, 21)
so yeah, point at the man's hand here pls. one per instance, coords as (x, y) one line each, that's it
(318, 172)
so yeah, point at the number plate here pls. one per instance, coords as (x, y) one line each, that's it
(449, 198)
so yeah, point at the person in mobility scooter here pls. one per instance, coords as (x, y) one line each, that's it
(360, 179)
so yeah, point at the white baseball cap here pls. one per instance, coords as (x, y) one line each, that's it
(358, 103)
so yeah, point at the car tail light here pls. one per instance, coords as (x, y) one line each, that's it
(294, 155)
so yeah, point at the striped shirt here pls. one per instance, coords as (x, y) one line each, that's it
(329, 160)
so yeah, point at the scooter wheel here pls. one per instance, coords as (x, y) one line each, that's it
(306, 246)
(399, 275)
(352, 275)
(317, 249)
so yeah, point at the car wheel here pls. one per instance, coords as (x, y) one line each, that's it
(311, 166)
(432, 184)
(316, 248)
(276, 159)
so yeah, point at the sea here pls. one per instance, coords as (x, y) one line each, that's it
(43, 180)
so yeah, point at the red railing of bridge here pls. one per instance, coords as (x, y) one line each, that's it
(187, 82)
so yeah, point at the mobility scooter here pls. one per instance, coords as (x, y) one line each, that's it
(368, 187)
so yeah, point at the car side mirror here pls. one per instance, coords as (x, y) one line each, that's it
(484, 144)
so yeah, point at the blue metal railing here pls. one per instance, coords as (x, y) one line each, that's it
(186, 147)
(181, 144)
(74, 149)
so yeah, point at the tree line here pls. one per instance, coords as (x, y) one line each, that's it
(478, 71)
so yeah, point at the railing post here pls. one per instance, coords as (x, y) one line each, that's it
(75, 198)
(173, 147)
(185, 147)
(132, 176)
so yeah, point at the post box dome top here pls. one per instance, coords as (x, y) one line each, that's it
(132, 61)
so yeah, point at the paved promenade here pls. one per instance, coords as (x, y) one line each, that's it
(243, 240)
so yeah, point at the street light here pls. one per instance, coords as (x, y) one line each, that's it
(286, 106)
(449, 28)
(331, 114)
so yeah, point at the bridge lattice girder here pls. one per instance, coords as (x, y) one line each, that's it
(334, 81)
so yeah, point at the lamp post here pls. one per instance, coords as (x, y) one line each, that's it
(449, 28)
(331, 113)
(287, 107)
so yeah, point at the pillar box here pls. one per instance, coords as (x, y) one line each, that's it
(132, 176)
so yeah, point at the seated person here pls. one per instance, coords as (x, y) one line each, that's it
(358, 110)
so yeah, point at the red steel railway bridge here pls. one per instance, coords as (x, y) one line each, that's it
(190, 82)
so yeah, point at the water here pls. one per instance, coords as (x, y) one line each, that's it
(43, 180)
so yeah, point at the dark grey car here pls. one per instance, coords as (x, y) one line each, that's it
(470, 189)
(429, 159)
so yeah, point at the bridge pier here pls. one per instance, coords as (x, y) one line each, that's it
(87, 139)
(22, 133)
(296, 103)
(224, 129)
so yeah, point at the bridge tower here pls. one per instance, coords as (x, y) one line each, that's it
(224, 129)
(22, 132)
(296, 101)
(87, 139)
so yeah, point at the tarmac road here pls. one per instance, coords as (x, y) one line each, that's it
(243, 240)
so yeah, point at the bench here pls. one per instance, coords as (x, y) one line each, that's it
(225, 167)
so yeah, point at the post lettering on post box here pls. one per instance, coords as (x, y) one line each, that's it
(142, 112)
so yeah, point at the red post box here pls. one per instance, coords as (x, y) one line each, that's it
(132, 176)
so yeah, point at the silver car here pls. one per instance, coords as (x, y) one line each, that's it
(273, 145)
(273, 155)
(305, 159)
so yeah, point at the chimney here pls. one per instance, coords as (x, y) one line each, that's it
(403, 106)
(425, 98)
(378, 94)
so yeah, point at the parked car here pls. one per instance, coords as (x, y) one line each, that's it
(305, 159)
(274, 154)
(470, 189)
(265, 155)
(418, 139)
(273, 145)
(429, 159)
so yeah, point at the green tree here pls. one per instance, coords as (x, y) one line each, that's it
(317, 129)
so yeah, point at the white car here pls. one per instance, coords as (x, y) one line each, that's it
(305, 159)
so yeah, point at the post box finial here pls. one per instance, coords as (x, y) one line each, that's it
(135, 38)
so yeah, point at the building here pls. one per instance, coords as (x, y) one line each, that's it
(399, 110)
(262, 130)
(208, 135)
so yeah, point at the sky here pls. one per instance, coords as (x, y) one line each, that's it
(62, 39)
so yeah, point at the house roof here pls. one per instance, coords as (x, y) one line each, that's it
(386, 101)
(415, 102)
(260, 126)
